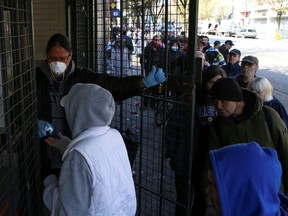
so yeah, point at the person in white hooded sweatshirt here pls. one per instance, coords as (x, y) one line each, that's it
(95, 177)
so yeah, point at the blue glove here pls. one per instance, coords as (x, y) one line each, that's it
(154, 77)
(44, 128)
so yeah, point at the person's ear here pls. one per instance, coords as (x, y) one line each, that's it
(256, 69)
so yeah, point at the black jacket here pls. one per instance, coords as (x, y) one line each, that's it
(153, 56)
(232, 71)
(176, 61)
(120, 88)
(50, 92)
(222, 49)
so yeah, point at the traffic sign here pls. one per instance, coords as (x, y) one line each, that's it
(113, 5)
(115, 13)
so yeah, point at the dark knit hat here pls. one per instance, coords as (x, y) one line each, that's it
(226, 89)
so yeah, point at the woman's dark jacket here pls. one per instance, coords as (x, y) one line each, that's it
(176, 61)
(280, 109)
(153, 56)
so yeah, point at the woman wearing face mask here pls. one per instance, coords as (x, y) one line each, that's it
(176, 59)
(54, 79)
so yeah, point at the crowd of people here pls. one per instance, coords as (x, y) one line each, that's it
(229, 111)
(123, 45)
(241, 118)
(240, 126)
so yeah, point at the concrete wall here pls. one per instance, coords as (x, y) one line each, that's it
(49, 18)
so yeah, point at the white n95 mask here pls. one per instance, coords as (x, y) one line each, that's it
(57, 67)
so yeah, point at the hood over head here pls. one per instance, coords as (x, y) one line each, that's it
(88, 105)
(174, 41)
(248, 179)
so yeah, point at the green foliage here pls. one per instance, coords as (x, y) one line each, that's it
(216, 9)
(280, 7)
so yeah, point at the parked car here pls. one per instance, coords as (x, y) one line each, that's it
(246, 33)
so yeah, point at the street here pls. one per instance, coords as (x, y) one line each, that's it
(272, 56)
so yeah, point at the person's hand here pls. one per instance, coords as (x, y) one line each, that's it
(52, 140)
(154, 77)
(44, 128)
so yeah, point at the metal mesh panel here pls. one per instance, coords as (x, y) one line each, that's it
(88, 32)
(82, 33)
(19, 170)
(145, 118)
(153, 176)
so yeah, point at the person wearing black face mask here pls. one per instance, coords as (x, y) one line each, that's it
(55, 78)
(176, 59)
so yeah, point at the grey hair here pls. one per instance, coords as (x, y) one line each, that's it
(262, 85)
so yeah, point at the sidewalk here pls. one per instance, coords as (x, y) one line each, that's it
(270, 38)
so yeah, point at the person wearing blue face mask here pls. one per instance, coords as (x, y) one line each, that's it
(174, 48)
(55, 77)
(176, 59)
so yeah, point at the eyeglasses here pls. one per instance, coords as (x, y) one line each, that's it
(61, 59)
(247, 64)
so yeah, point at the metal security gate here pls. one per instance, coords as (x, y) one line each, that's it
(148, 119)
(19, 162)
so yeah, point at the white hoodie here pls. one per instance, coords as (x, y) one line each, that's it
(96, 176)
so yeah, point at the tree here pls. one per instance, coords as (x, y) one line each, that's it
(223, 9)
(136, 10)
(155, 8)
(280, 7)
(207, 9)
(217, 9)
(183, 8)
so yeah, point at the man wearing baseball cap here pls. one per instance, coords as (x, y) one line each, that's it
(224, 49)
(243, 118)
(249, 67)
(232, 68)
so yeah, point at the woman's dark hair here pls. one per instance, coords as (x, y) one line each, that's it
(61, 40)
(211, 72)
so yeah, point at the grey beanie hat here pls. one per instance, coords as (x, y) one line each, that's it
(226, 89)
